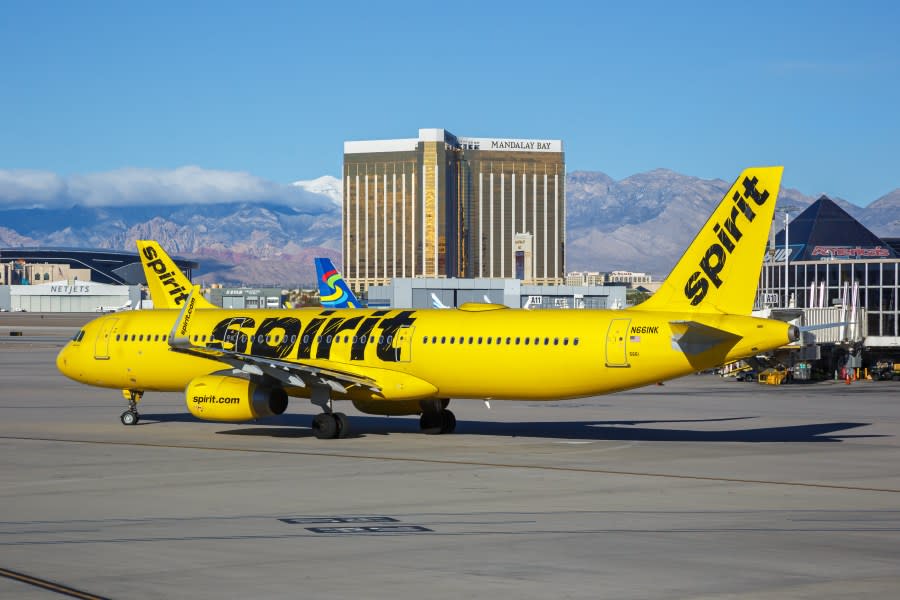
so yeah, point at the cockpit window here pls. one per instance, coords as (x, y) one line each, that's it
(78, 336)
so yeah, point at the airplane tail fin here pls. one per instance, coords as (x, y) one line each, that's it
(719, 271)
(168, 285)
(333, 290)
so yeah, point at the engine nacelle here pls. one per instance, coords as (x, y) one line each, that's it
(224, 398)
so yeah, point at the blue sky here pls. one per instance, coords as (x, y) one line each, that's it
(274, 88)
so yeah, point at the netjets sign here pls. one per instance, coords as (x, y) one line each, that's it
(65, 288)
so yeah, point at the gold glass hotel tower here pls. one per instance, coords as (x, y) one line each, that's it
(446, 206)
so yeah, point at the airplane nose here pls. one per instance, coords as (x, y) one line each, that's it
(63, 360)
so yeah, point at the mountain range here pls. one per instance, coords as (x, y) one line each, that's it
(640, 223)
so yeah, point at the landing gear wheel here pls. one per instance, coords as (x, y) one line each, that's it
(430, 423)
(437, 423)
(325, 426)
(448, 421)
(130, 417)
(343, 424)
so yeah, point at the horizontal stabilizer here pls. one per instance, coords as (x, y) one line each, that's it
(691, 337)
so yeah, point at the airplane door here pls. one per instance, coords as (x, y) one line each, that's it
(616, 343)
(403, 344)
(101, 344)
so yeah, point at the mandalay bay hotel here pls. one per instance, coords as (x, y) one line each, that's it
(457, 207)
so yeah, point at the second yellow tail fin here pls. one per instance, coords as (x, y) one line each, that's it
(719, 272)
(168, 286)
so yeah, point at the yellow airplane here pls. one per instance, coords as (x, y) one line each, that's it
(239, 365)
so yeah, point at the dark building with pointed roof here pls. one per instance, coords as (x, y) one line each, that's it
(825, 231)
(832, 261)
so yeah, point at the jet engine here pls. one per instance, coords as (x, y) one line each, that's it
(225, 398)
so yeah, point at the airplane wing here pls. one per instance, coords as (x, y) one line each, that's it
(296, 374)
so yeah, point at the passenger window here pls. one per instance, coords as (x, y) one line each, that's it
(508, 341)
(517, 341)
(345, 339)
(425, 339)
(79, 333)
(452, 339)
(165, 336)
(556, 341)
(443, 339)
(575, 342)
(470, 340)
(527, 340)
(565, 341)
(546, 341)
(499, 339)
(488, 341)
(479, 340)
(156, 338)
(434, 339)
(305, 339)
(293, 338)
(141, 337)
(133, 337)
(328, 339)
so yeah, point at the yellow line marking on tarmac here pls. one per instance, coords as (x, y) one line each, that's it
(469, 463)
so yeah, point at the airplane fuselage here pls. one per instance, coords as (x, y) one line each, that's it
(483, 352)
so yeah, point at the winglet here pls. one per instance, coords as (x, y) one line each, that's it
(168, 286)
(179, 336)
(719, 271)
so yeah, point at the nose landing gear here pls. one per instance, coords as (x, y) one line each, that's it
(131, 416)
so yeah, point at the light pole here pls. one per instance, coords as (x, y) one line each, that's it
(787, 255)
(787, 250)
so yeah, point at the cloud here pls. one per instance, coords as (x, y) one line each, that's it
(30, 188)
(143, 187)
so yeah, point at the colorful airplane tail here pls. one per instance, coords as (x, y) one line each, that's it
(333, 290)
(719, 271)
(168, 286)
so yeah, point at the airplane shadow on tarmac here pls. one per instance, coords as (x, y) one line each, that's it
(297, 425)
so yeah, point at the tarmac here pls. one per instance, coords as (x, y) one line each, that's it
(700, 488)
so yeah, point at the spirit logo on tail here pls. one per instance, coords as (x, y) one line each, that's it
(714, 259)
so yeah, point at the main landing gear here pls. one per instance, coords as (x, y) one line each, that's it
(131, 416)
(435, 417)
(328, 425)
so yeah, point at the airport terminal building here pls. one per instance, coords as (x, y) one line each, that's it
(446, 206)
(832, 270)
